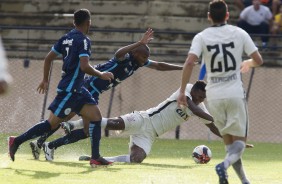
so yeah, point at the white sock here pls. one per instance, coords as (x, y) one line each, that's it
(120, 158)
(238, 167)
(235, 151)
(104, 122)
(77, 124)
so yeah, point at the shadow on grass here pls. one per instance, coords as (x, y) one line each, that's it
(41, 174)
(171, 166)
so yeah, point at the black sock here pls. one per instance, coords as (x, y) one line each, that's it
(75, 136)
(95, 137)
(33, 132)
(43, 137)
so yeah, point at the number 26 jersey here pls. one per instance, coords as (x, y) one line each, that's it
(221, 48)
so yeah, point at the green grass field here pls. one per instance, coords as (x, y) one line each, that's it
(169, 162)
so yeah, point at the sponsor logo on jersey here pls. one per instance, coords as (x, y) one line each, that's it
(85, 44)
(223, 79)
(68, 42)
(182, 114)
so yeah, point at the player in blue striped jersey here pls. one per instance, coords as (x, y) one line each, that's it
(125, 62)
(72, 96)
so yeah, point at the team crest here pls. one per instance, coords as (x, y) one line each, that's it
(67, 111)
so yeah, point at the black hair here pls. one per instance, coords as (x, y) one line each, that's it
(80, 16)
(217, 10)
(142, 48)
(199, 85)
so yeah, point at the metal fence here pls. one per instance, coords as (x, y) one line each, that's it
(22, 107)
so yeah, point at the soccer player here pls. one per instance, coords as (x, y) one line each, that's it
(125, 62)
(221, 47)
(72, 96)
(5, 77)
(144, 126)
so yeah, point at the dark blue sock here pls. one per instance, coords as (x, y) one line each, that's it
(43, 137)
(95, 137)
(33, 132)
(75, 136)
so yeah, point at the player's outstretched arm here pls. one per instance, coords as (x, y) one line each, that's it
(198, 111)
(163, 66)
(146, 38)
(213, 129)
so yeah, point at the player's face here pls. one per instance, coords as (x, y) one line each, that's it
(141, 58)
(88, 26)
(198, 96)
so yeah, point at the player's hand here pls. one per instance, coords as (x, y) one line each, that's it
(182, 101)
(249, 145)
(107, 76)
(148, 36)
(42, 87)
(244, 68)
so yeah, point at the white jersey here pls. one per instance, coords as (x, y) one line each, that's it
(222, 48)
(256, 17)
(167, 115)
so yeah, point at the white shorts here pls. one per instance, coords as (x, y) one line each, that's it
(140, 129)
(230, 116)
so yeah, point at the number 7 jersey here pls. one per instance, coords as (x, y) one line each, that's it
(221, 48)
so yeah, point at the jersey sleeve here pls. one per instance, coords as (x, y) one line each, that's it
(84, 48)
(148, 62)
(196, 46)
(249, 46)
(57, 48)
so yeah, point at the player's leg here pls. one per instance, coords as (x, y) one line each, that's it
(75, 136)
(234, 134)
(68, 126)
(238, 167)
(91, 114)
(37, 130)
(44, 137)
(136, 155)
(36, 145)
(113, 123)
(217, 110)
(107, 123)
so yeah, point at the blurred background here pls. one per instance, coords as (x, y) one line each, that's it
(30, 28)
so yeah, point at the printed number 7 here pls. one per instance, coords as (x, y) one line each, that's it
(67, 50)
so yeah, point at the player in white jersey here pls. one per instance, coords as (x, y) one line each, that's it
(144, 126)
(221, 47)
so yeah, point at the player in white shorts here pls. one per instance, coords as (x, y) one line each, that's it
(144, 126)
(221, 47)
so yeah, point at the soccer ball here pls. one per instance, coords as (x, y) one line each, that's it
(202, 154)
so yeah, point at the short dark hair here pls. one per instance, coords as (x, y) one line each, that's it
(199, 85)
(80, 16)
(218, 9)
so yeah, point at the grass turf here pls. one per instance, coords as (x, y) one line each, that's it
(169, 162)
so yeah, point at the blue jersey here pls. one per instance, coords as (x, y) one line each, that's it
(120, 69)
(72, 46)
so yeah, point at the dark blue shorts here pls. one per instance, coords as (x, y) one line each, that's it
(65, 102)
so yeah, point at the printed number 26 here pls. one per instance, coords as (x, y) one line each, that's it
(226, 53)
